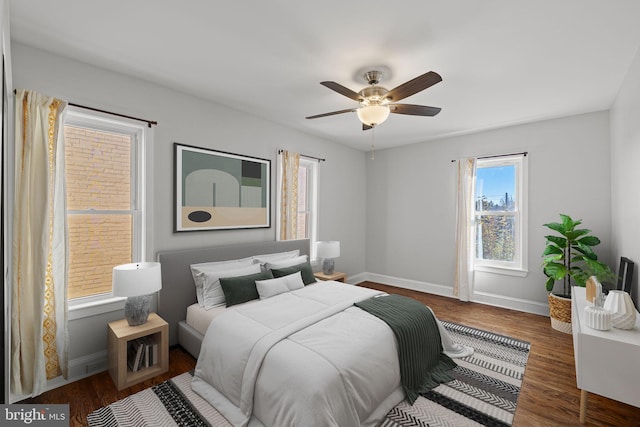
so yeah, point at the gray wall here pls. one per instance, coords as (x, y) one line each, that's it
(190, 120)
(411, 195)
(625, 172)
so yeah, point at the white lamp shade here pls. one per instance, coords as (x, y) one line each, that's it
(373, 114)
(328, 249)
(140, 278)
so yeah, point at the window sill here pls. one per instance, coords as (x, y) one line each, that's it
(82, 309)
(501, 270)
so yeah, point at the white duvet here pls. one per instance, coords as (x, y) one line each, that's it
(302, 358)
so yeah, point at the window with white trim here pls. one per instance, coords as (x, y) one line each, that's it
(307, 212)
(104, 185)
(500, 214)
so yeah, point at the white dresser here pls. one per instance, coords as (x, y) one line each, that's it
(607, 362)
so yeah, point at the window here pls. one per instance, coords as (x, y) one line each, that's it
(104, 200)
(499, 214)
(306, 198)
(307, 201)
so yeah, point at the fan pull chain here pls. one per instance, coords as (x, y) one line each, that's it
(373, 143)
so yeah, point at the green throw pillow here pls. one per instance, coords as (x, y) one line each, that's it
(242, 288)
(304, 269)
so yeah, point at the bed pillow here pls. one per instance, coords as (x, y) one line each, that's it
(212, 292)
(278, 256)
(272, 287)
(304, 269)
(286, 262)
(243, 288)
(198, 270)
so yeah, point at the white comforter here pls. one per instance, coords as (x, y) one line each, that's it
(306, 357)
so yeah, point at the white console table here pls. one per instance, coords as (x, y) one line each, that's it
(606, 361)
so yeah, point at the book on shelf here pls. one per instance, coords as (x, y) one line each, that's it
(134, 355)
(142, 353)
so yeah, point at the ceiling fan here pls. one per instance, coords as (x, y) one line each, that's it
(376, 102)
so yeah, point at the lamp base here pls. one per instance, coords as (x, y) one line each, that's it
(136, 309)
(328, 266)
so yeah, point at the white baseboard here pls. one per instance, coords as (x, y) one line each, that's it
(414, 285)
(511, 303)
(79, 368)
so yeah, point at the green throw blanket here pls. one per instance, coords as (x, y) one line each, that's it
(422, 364)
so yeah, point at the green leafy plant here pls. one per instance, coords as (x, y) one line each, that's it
(570, 256)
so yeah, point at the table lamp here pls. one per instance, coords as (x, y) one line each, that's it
(328, 250)
(137, 281)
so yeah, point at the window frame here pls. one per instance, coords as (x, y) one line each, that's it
(519, 267)
(140, 171)
(312, 201)
(311, 165)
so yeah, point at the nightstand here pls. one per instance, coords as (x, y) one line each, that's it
(154, 335)
(337, 276)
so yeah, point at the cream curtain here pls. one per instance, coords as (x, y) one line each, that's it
(290, 162)
(39, 339)
(463, 283)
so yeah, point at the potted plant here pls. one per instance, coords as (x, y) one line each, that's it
(568, 257)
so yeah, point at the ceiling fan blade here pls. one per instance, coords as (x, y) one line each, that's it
(414, 110)
(413, 86)
(342, 90)
(333, 113)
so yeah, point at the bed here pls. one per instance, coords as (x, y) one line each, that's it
(178, 292)
(301, 355)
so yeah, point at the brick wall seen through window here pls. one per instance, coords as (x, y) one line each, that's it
(98, 175)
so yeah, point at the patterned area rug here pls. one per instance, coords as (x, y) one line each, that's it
(484, 392)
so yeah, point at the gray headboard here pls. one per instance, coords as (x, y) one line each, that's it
(178, 290)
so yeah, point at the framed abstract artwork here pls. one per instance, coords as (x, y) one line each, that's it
(215, 190)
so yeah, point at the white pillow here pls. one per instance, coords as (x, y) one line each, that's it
(198, 271)
(278, 256)
(272, 287)
(212, 293)
(286, 262)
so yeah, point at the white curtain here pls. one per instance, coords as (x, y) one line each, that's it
(290, 162)
(39, 338)
(463, 283)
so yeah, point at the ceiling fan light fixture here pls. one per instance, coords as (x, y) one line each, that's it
(373, 115)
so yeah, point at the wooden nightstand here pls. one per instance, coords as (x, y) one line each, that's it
(337, 276)
(156, 330)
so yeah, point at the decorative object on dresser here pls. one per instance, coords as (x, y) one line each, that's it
(328, 250)
(137, 281)
(623, 311)
(569, 257)
(625, 274)
(595, 316)
(215, 190)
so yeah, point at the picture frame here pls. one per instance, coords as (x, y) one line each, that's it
(217, 190)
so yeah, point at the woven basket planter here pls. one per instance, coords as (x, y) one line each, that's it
(560, 312)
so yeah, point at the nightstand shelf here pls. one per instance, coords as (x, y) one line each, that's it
(121, 334)
(337, 276)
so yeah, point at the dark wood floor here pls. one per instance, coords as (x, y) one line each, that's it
(548, 397)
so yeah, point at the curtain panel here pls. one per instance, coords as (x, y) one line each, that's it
(39, 337)
(290, 163)
(463, 282)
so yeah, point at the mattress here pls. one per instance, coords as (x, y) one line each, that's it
(199, 318)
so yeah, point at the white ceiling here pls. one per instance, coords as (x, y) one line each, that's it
(502, 62)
